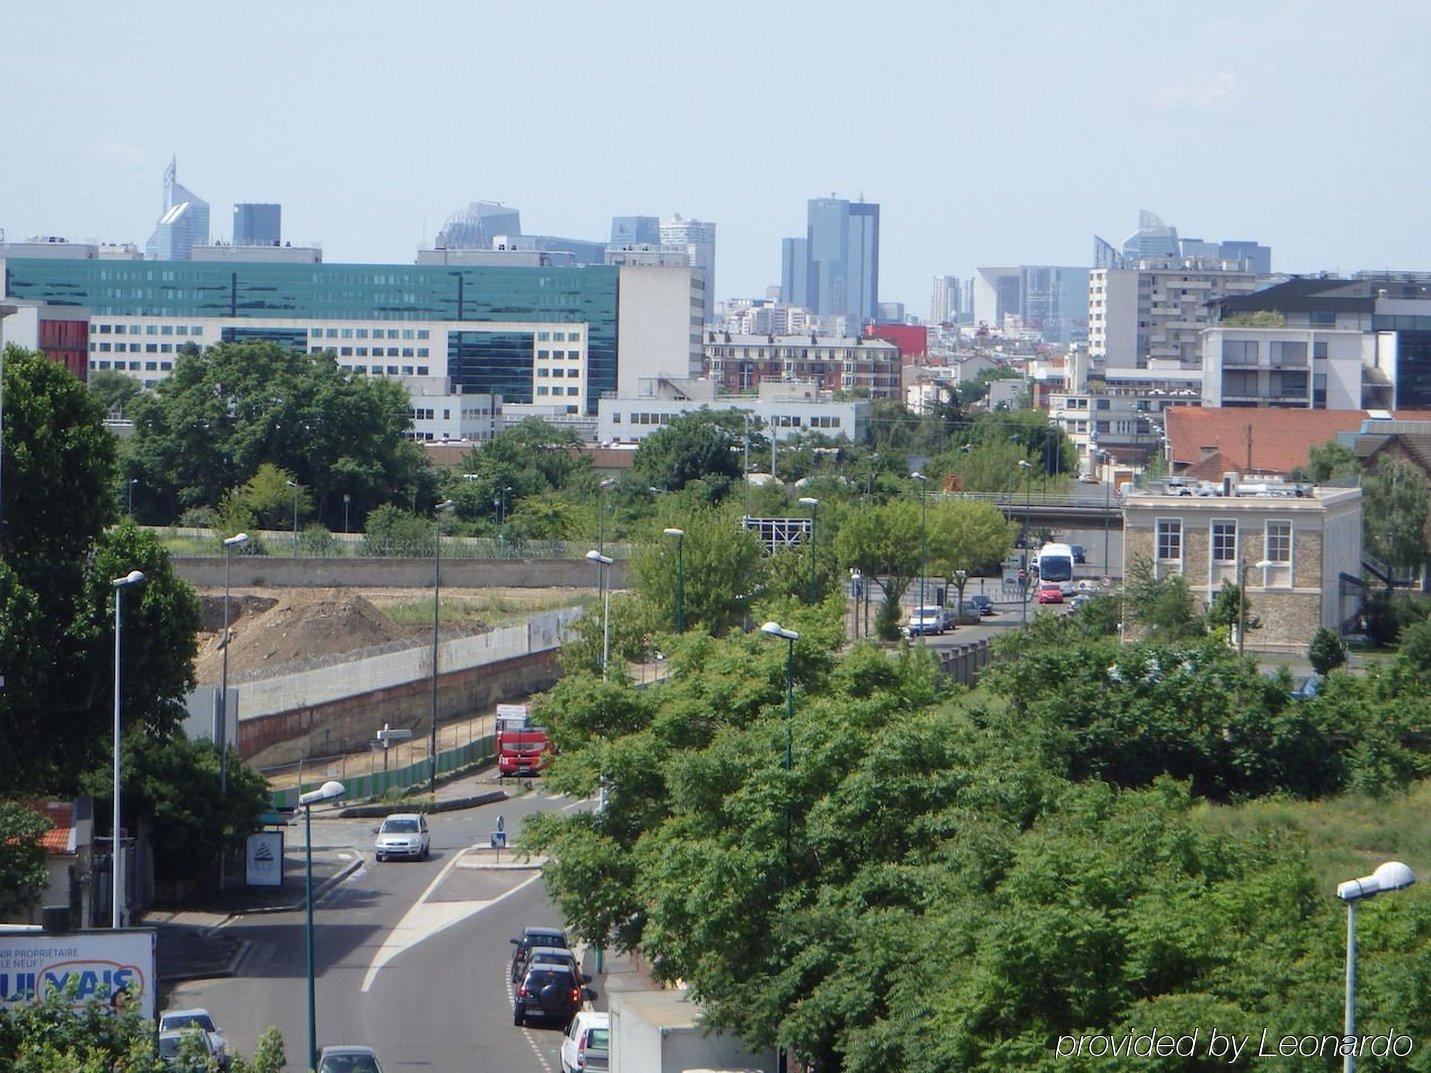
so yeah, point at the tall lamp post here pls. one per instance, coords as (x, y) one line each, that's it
(601, 490)
(1393, 875)
(134, 577)
(814, 505)
(442, 508)
(923, 546)
(774, 629)
(236, 541)
(329, 791)
(296, 490)
(604, 591)
(347, 506)
(129, 489)
(679, 536)
(1026, 466)
(1262, 564)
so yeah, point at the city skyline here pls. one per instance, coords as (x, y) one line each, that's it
(946, 209)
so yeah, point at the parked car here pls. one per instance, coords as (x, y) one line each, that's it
(348, 1059)
(924, 620)
(179, 1020)
(176, 1043)
(553, 955)
(550, 993)
(532, 939)
(1050, 592)
(980, 605)
(1081, 599)
(1308, 689)
(1079, 555)
(587, 1044)
(403, 834)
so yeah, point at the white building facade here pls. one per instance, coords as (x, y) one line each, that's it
(1156, 312)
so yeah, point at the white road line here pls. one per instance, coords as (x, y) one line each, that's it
(527, 1032)
(577, 804)
(425, 919)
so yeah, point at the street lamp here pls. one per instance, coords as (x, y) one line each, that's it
(441, 508)
(603, 590)
(774, 629)
(236, 541)
(601, 490)
(679, 535)
(1026, 466)
(923, 547)
(329, 791)
(1393, 875)
(347, 503)
(1264, 565)
(296, 489)
(501, 505)
(814, 505)
(129, 508)
(134, 577)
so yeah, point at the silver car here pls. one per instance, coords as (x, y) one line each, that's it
(403, 834)
(348, 1059)
(203, 1021)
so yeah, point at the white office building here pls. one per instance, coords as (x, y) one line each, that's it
(1156, 312)
(698, 239)
(784, 409)
(1300, 368)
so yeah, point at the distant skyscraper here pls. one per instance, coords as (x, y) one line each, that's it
(474, 227)
(183, 224)
(635, 231)
(944, 302)
(257, 224)
(843, 258)
(1152, 239)
(794, 278)
(698, 238)
(1251, 255)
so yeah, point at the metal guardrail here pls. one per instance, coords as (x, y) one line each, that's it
(1033, 499)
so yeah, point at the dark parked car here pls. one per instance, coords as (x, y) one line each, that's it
(1078, 554)
(551, 993)
(530, 940)
(980, 605)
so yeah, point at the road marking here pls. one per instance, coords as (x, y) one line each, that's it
(425, 919)
(527, 1032)
(577, 804)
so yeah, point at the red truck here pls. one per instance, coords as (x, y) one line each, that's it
(524, 752)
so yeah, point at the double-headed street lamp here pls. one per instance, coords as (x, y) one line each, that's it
(923, 546)
(814, 505)
(1393, 875)
(604, 592)
(442, 508)
(134, 577)
(329, 791)
(679, 536)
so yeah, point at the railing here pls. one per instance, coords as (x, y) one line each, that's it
(378, 783)
(1033, 499)
(204, 543)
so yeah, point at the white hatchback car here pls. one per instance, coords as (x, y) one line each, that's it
(587, 1044)
(403, 834)
(180, 1020)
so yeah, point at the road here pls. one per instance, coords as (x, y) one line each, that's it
(411, 957)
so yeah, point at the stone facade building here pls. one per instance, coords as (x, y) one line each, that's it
(1301, 555)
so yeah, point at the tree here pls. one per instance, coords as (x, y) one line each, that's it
(1326, 652)
(1230, 609)
(1327, 462)
(533, 459)
(23, 876)
(883, 543)
(394, 531)
(965, 534)
(1162, 608)
(226, 411)
(114, 390)
(1395, 513)
(722, 570)
(693, 446)
(268, 498)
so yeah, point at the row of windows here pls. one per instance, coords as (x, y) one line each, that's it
(134, 348)
(389, 370)
(133, 366)
(377, 352)
(558, 337)
(558, 355)
(542, 390)
(148, 329)
(559, 373)
(362, 333)
(778, 421)
(1277, 541)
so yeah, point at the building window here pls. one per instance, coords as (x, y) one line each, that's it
(166, 365)
(616, 419)
(346, 351)
(422, 333)
(543, 374)
(1224, 542)
(558, 337)
(331, 332)
(1279, 542)
(167, 329)
(422, 352)
(362, 333)
(542, 389)
(182, 329)
(422, 370)
(1170, 540)
(166, 348)
(151, 329)
(573, 390)
(544, 337)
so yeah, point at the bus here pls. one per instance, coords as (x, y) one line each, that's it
(1055, 563)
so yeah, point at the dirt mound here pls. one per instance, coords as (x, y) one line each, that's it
(298, 626)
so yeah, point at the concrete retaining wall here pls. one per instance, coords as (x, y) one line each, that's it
(248, 571)
(964, 663)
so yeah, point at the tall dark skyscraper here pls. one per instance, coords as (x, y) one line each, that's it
(842, 240)
(257, 224)
(794, 278)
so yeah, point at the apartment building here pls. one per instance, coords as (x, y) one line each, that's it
(783, 409)
(1156, 311)
(835, 363)
(1301, 368)
(1299, 555)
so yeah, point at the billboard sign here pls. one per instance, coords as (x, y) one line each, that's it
(263, 859)
(95, 964)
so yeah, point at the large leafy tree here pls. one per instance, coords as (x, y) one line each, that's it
(230, 409)
(721, 569)
(1395, 513)
(696, 446)
(535, 458)
(883, 543)
(965, 534)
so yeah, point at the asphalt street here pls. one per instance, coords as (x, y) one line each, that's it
(412, 957)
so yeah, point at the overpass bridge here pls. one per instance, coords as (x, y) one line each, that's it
(1055, 510)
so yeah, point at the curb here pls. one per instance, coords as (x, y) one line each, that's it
(318, 891)
(372, 812)
(230, 969)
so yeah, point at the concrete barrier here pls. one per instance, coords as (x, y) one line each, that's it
(964, 662)
(278, 571)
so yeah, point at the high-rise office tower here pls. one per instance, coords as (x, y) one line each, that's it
(698, 238)
(474, 227)
(794, 279)
(183, 224)
(635, 231)
(1152, 239)
(843, 258)
(944, 302)
(257, 224)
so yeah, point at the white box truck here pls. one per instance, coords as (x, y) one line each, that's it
(660, 1032)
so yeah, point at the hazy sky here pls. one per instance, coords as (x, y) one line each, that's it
(990, 133)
